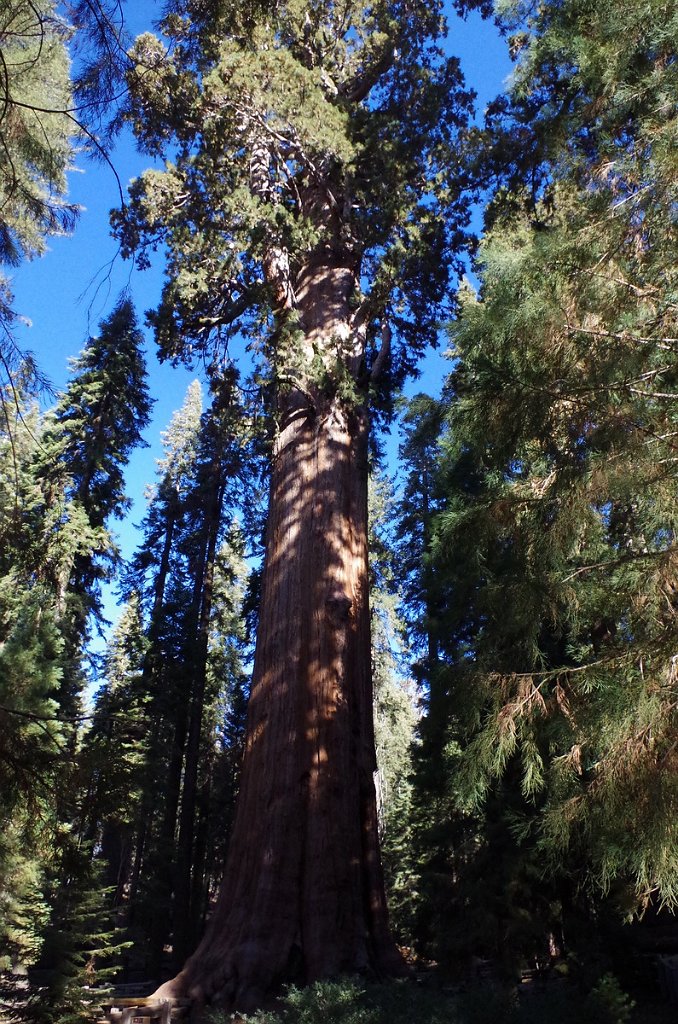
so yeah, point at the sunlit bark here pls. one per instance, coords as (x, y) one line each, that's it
(302, 897)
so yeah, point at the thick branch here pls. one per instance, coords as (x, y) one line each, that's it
(362, 84)
(383, 354)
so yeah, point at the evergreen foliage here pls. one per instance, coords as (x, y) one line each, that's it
(84, 449)
(272, 152)
(421, 427)
(82, 947)
(351, 1001)
(99, 420)
(35, 131)
(62, 480)
(31, 741)
(562, 428)
(114, 751)
(35, 150)
(311, 200)
(165, 742)
(394, 702)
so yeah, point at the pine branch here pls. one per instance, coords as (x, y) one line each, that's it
(622, 560)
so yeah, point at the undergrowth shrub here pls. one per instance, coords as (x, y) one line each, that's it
(352, 1001)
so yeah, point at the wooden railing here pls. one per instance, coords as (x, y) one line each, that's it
(118, 1010)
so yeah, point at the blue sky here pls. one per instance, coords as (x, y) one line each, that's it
(65, 293)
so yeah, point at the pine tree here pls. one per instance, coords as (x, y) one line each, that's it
(158, 573)
(85, 448)
(441, 838)
(36, 130)
(31, 740)
(312, 203)
(78, 466)
(35, 150)
(114, 751)
(564, 404)
(50, 906)
(421, 426)
(394, 700)
(222, 447)
(191, 675)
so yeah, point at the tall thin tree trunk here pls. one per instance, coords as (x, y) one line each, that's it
(183, 940)
(154, 681)
(427, 573)
(161, 863)
(198, 878)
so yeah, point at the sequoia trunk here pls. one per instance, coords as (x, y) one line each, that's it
(302, 896)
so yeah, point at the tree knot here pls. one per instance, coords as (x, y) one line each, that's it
(338, 606)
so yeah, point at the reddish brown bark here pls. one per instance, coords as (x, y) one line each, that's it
(302, 896)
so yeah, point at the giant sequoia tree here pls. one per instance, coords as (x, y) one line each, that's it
(311, 204)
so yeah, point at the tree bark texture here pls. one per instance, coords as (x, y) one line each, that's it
(302, 896)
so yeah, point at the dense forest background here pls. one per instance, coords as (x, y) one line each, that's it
(523, 572)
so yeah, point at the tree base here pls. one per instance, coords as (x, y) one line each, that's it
(233, 989)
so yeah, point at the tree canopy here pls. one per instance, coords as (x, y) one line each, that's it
(273, 153)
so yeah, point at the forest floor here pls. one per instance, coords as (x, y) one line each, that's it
(353, 1002)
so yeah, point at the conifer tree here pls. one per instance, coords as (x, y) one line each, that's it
(35, 129)
(158, 573)
(223, 727)
(394, 698)
(394, 709)
(439, 612)
(565, 396)
(191, 675)
(311, 202)
(31, 653)
(216, 486)
(51, 903)
(78, 467)
(113, 752)
(155, 561)
(85, 448)
(421, 425)
(35, 150)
